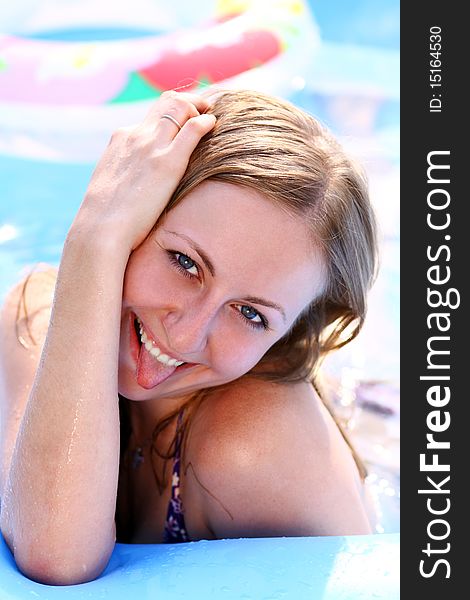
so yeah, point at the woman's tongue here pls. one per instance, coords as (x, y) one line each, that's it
(150, 371)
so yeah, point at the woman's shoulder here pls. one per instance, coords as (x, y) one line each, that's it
(267, 451)
(265, 419)
(250, 413)
(256, 395)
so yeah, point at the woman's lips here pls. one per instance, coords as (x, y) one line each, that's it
(134, 341)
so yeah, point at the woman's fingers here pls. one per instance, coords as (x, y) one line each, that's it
(169, 114)
(192, 131)
(172, 98)
(171, 122)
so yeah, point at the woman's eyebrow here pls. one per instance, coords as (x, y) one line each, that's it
(210, 266)
(196, 247)
(268, 303)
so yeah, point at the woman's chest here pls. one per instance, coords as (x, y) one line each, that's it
(148, 508)
(143, 509)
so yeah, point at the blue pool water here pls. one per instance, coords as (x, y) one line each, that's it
(38, 202)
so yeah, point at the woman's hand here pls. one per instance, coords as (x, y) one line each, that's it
(141, 168)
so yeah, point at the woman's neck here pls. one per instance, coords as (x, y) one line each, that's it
(144, 416)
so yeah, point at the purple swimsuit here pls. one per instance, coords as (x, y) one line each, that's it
(175, 528)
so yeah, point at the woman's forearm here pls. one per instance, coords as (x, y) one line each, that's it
(60, 498)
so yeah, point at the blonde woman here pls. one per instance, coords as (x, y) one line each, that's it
(221, 250)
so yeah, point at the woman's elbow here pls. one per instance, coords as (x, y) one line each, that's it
(44, 569)
(54, 567)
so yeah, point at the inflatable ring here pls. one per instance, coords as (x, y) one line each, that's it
(61, 100)
(330, 568)
(240, 37)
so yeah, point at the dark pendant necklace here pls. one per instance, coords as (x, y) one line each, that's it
(138, 454)
(137, 457)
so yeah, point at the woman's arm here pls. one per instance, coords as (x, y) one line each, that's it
(59, 502)
(58, 507)
(276, 465)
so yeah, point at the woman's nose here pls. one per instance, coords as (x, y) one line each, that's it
(188, 329)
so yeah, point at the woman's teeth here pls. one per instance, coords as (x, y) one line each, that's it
(155, 351)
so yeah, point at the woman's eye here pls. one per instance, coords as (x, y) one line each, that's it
(250, 313)
(252, 317)
(184, 264)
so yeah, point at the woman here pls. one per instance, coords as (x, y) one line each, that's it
(204, 294)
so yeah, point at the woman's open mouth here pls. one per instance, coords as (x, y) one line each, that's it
(153, 364)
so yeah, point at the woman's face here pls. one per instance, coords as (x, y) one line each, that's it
(215, 286)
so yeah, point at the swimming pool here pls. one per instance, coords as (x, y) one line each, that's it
(352, 85)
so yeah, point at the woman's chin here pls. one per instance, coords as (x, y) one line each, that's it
(130, 392)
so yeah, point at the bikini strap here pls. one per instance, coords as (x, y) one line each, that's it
(175, 482)
(175, 528)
